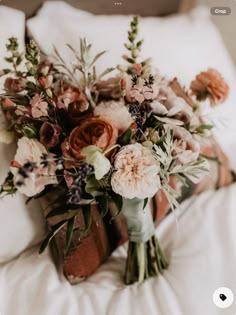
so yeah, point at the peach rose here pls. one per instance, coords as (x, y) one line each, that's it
(116, 113)
(94, 131)
(136, 172)
(210, 84)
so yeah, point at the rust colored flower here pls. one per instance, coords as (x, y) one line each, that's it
(210, 84)
(49, 134)
(93, 131)
(14, 85)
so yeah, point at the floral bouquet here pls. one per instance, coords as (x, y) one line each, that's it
(89, 141)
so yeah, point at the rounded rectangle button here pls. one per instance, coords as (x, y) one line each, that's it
(220, 11)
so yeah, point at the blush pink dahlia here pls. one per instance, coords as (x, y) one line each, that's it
(136, 174)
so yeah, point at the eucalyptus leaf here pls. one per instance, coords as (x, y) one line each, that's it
(118, 200)
(92, 185)
(69, 232)
(145, 203)
(55, 229)
(58, 211)
(102, 205)
(125, 138)
(96, 58)
(86, 210)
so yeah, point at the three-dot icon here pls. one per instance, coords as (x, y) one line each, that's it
(118, 3)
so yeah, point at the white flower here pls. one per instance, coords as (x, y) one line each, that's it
(186, 147)
(116, 113)
(31, 150)
(175, 109)
(136, 174)
(95, 157)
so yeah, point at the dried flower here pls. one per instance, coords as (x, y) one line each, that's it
(39, 106)
(14, 85)
(49, 134)
(210, 84)
(74, 99)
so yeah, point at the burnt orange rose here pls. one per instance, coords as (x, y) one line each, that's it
(93, 131)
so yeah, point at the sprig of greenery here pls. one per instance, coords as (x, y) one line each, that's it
(134, 46)
(33, 57)
(15, 58)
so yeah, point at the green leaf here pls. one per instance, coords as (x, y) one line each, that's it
(102, 205)
(125, 138)
(55, 229)
(145, 203)
(69, 232)
(96, 58)
(92, 185)
(58, 211)
(204, 127)
(86, 209)
(118, 200)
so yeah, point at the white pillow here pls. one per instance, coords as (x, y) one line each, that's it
(20, 226)
(180, 45)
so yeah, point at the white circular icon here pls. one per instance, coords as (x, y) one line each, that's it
(223, 297)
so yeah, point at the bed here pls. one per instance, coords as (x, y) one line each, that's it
(200, 248)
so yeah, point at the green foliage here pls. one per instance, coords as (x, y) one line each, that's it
(86, 210)
(55, 229)
(69, 233)
(118, 200)
(102, 204)
(8, 186)
(125, 138)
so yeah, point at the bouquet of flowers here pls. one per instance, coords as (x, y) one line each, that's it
(90, 141)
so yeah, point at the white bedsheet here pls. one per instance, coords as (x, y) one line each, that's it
(202, 258)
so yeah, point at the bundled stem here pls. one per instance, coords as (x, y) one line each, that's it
(145, 259)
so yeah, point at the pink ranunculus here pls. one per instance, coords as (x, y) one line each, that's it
(31, 150)
(39, 107)
(136, 172)
(116, 113)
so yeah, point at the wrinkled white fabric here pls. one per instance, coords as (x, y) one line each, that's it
(202, 256)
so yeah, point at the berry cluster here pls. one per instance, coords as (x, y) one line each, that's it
(76, 189)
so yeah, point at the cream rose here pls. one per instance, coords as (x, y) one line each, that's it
(31, 150)
(136, 172)
(116, 113)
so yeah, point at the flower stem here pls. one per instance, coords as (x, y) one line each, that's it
(145, 259)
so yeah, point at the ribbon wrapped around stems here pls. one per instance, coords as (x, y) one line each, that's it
(145, 256)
